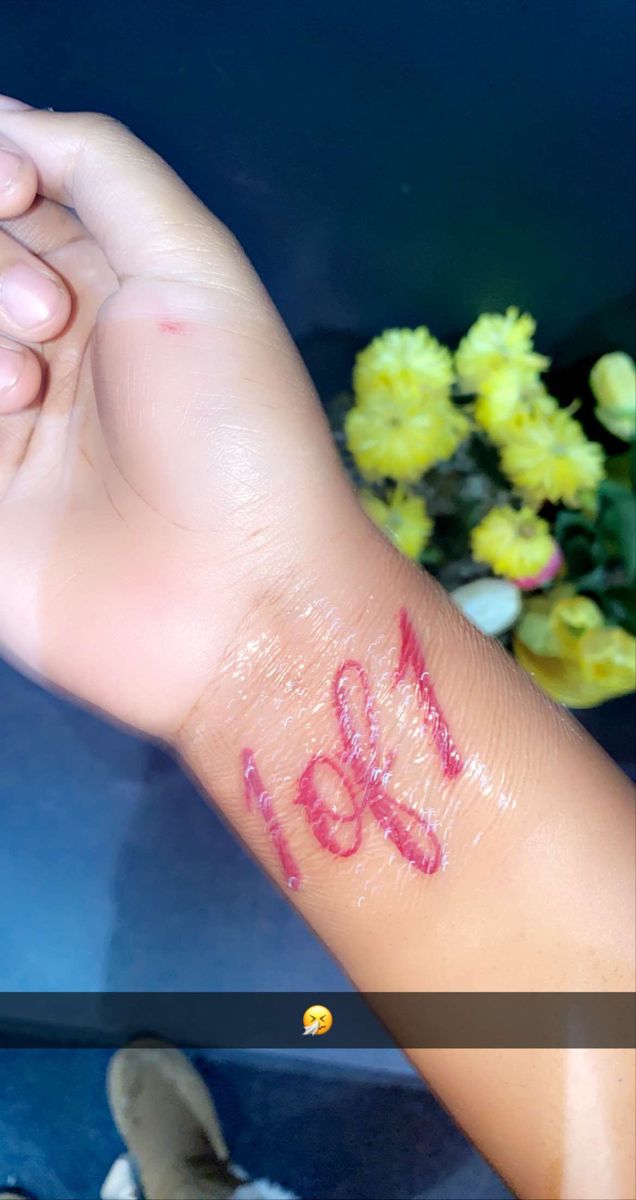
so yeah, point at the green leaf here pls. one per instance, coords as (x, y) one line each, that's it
(431, 556)
(601, 553)
(486, 458)
(617, 524)
(621, 468)
(567, 521)
(582, 555)
(619, 607)
(594, 580)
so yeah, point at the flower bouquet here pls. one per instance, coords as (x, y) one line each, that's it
(518, 499)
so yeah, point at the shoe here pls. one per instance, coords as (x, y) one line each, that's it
(166, 1116)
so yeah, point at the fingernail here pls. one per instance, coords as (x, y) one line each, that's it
(11, 366)
(28, 296)
(10, 164)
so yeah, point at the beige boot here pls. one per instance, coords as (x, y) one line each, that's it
(166, 1116)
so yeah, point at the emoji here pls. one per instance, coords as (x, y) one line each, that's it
(317, 1020)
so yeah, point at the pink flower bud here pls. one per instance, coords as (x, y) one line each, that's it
(552, 568)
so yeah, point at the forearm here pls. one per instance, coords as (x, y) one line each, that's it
(440, 825)
(436, 822)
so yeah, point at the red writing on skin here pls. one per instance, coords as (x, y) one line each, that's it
(358, 772)
(412, 660)
(255, 790)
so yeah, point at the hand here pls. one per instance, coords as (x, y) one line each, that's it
(164, 465)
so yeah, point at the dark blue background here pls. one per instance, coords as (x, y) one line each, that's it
(382, 162)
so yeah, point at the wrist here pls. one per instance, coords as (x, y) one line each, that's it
(302, 619)
(331, 734)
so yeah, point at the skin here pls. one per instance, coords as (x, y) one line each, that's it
(181, 550)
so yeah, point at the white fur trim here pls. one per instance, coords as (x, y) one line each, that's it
(262, 1189)
(120, 1184)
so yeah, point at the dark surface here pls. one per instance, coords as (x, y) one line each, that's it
(382, 163)
(614, 726)
(319, 1134)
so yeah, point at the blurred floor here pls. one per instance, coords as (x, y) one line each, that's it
(323, 1134)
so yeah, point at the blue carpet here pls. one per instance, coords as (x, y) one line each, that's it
(326, 1135)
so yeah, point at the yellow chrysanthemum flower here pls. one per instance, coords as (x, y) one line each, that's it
(613, 382)
(573, 655)
(506, 401)
(498, 340)
(572, 617)
(401, 437)
(515, 543)
(551, 459)
(403, 518)
(608, 660)
(553, 621)
(402, 364)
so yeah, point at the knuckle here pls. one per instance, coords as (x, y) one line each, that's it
(94, 129)
(80, 123)
(99, 124)
(91, 133)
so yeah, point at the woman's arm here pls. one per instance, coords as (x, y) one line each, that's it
(442, 827)
(180, 549)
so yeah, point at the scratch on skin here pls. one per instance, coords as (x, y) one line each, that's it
(167, 326)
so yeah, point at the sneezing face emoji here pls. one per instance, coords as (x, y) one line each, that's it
(317, 1020)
